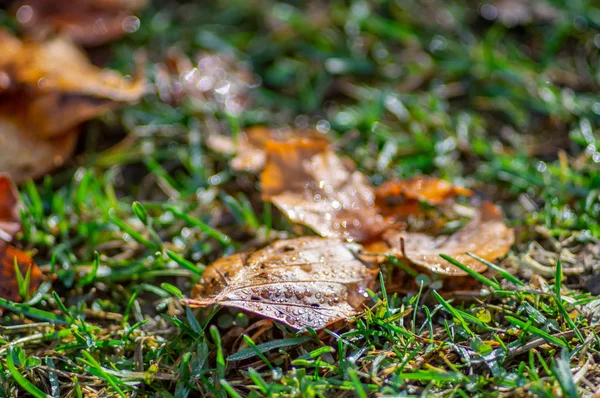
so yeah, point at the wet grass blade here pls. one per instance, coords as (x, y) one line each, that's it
(538, 332)
(474, 274)
(452, 311)
(33, 313)
(266, 347)
(505, 274)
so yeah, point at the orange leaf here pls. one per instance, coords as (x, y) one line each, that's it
(249, 146)
(9, 288)
(312, 186)
(251, 155)
(10, 220)
(303, 282)
(486, 236)
(86, 22)
(402, 198)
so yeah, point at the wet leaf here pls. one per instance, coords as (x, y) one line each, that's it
(486, 236)
(303, 282)
(9, 285)
(86, 22)
(10, 220)
(46, 90)
(36, 156)
(58, 66)
(312, 186)
(10, 224)
(249, 146)
(401, 198)
(519, 12)
(214, 80)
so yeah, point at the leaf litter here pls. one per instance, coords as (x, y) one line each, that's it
(313, 281)
(304, 282)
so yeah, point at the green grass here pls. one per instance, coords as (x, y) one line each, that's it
(431, 87)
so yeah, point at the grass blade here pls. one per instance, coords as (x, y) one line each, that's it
(474, 274)
(538, 332)
(19, 378)
(266, 347)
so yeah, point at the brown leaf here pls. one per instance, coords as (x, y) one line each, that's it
(86, 22)
(486, 236)
(312, 186)
(402, 198)
(35, 156)
(251, 155)
(10, 224)
(522, 12)
(249, 147)
(10, 220)
(9, 287)
(59, 66)
(46, 90)
(303, 282)
(214, 80)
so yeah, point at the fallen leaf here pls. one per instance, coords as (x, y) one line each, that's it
(86, 22)
(303, 282)
(249, 146)
(401, 198)
(521, 12)
(35, 156)
(59, 66)
(10, 224)
(251, 155)
(10, 220)
(312, 186)
(9, 287)
(212, 81)
(46, 90)
(485, 236)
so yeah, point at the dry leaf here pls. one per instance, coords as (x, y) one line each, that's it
(402, 198)
(10, 224)
(251, 155)
(10, 220)
(521, 12)
(9, 287)
(46, 90)
(249, 146)
(303, 282)
(486, 236)
(35, 156)
(59, 66)
(214, 80)
(86, 22)
(312, 186)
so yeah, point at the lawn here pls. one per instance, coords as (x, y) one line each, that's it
(500, 97)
